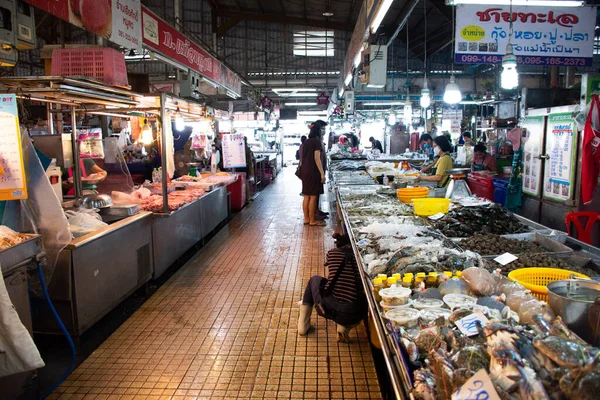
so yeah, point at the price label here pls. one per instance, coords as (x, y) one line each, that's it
(505, 258)
(469, 324)
(479, 387)
(437, 216)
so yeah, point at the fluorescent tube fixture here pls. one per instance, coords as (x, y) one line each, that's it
(179, 122)
(385, 6)
(407, 118)
(348, 79)
(392, 119)
(425, 100)
(341, 94)
(528, 3)
(358, 59)
(300, 104)
(384, 103)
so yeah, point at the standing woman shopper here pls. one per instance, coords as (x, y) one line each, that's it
(312, 176)
(340, 296)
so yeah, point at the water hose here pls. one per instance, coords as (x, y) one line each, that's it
(62, 328)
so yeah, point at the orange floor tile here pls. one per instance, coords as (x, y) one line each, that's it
(225, 325)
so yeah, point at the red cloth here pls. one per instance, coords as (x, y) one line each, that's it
(590, 160)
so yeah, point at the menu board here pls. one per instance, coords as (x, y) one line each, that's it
(234, 151)
(12, 170)
(532, 164)
(561, 139)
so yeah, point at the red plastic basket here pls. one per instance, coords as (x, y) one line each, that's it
(101, 63)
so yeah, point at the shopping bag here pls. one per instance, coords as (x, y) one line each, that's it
(590, 159)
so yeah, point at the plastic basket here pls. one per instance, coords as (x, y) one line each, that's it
(536, 279)
(431, 206)
(100, 63)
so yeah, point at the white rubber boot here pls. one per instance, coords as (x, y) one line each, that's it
(343, 332)
(304, 319)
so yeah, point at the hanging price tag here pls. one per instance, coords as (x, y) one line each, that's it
(469, 324)
(505, 258)
(479, 387)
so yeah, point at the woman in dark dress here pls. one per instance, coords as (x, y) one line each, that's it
(312, 176)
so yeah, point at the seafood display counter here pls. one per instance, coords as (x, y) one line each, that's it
(444, 309)
(89, 281)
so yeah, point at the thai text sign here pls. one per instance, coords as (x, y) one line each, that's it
(165, 39)
(541, 35)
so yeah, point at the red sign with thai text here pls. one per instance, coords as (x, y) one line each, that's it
(166, 40)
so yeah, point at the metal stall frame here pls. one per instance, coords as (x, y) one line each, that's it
(394, 359)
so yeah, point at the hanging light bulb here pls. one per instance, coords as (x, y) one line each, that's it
(509, 79)
(425, 97)
(179, 122)
(407, 119)
(452, 93)
(392, 119)
(146, 135)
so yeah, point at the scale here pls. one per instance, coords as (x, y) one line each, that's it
(458, 186)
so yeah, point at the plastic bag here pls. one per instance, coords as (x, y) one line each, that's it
(90, 143)
(528, 309)
(121, 198)
(82, 222)
(18, 352)
(515, 299)
(199, 142)
(480, 281)
(455, 286)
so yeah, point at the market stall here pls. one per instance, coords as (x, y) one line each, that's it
(187, 203)
(446, 306)
(83, 284)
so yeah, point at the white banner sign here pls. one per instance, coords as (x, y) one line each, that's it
(234, 151)
(541, 35)
(561, 142)
(127, 23)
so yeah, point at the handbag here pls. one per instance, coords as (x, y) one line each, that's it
(298, 171)
(343, 313)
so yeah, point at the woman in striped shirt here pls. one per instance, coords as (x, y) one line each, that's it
(338, 297)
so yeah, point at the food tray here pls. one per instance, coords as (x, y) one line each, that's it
(23, 251)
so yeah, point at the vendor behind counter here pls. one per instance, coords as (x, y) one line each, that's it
(441, 148)
(482, 160)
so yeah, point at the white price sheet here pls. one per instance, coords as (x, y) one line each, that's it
(12, 172)
(234, 151)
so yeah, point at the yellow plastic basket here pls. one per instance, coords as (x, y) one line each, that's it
(431, 206)
(536, 279)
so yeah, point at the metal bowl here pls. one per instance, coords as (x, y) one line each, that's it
(95, 201)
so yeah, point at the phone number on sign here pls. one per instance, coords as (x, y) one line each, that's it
(523, 60)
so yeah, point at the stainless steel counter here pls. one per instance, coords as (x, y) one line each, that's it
(174, 234)
(96, 272)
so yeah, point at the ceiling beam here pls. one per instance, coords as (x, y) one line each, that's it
(304, 4)
(227, 25)
(213, 4)
(281, 19)
(260, 7)
(282, 8)
(440, 5)
(404, 14)
(349, 19)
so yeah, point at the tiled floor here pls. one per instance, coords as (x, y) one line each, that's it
(225, 325)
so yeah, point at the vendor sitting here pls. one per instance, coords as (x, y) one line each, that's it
(90, 172)
(376, 144)
(426, 144)
(482, 160)
(340, 296)
(441, 148)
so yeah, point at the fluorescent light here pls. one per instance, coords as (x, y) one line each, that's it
(300, 104)
(295, 94)
(358, 59)
(380, 15)
(179, 122)
(527, 3)
(294, 89)
(341, 92)
(384, 103)
(425, 100)
(232, 95)
(392, 119)
(375, 86)
(348, 79)
(509, 78)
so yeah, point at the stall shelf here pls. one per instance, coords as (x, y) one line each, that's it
(96, 272)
